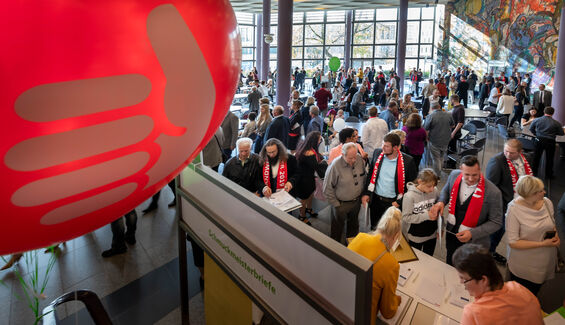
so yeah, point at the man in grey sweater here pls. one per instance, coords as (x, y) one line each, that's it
(475, 207)
(439, 125)
(343, 185)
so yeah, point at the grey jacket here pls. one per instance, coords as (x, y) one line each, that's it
(212, 153)
(230, 126)
(439, 124)
(490, 219)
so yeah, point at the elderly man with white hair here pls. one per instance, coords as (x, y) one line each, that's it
(343, 185)
(244, 169)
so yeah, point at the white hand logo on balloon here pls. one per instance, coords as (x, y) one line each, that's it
(109, 179)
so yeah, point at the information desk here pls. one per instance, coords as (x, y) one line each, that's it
(437, 279)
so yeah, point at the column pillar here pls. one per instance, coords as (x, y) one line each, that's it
(558, 99)
(401, 43)
(348, 39)
(446, 36)
(259, 43)
(284, 43)
(266, 47)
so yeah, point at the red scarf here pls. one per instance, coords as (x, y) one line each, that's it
(399, 174)
(474, 210)
(513, 172)
(281, 179)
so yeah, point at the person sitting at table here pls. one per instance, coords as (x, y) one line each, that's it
(347, 135)
(475, 207)
(253, 99)
(530, 223)
(376, 247)
(529, 117)
(495, 302)
(545, 129)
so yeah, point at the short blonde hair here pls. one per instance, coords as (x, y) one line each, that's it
(310, 100)
(390, 223)
(528, 185)
(401, 134)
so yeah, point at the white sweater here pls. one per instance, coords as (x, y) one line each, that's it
(505, 105)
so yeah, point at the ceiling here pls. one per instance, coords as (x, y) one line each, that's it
(256, 6)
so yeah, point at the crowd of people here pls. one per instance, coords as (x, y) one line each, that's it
(386, 170)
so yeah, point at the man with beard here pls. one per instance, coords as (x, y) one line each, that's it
(279, 169)
(386, 181)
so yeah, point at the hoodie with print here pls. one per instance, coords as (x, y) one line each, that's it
(415, 207)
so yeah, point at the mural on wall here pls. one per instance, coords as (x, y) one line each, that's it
(522, 33)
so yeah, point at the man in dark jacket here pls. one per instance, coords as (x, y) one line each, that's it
(279, 127)
(462, 91)
(503, 170)
(244, 169)
(386, 181)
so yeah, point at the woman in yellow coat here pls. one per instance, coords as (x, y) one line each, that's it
(376, 247)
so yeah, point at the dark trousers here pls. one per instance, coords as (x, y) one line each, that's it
(119, 233)
(464, 99)
(496, 237)
(346, 215)
(452, 146)
(547, 145)
(428, 247)
(518, 112)
(157, 195)
(451, 244)
(378, 208)
(533, 287)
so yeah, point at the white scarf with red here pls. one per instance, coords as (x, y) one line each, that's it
(474, 210)
(399, 175)
(281, 178)
(514, 173)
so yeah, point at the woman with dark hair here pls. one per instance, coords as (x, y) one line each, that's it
(310, 162)
(518, 104)
(495, 302)
(415, 137)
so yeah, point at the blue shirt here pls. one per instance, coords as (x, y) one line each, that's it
(389, 119)
(386, 182)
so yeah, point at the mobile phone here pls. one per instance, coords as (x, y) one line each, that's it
(549, 234)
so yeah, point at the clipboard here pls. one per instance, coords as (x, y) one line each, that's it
(404, 253)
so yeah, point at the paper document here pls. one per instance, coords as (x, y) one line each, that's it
(458, 296)
(405, 302)
(432, 290)
(554, 319)
(283, 201)
(404, 274)
(439, 227)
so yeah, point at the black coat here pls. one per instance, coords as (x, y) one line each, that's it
(499, 174)
(279, 128)
(248, 175)
(293, 176)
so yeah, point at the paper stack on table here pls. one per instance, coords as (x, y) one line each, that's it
(432, 289)
(283, 201)
(404, 274)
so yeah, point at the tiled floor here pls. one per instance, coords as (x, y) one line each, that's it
(141, 286)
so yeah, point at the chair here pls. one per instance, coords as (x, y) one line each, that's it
(480, 146)
(527, 144)
(480, 125)
(456, 157)
(353, 119)
(472, 132)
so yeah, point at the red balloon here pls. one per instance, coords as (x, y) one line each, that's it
(103, 103)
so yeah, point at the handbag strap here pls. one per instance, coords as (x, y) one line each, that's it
(379, 257)
(551, 216)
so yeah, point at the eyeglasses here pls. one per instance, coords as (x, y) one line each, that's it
(465, 281)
